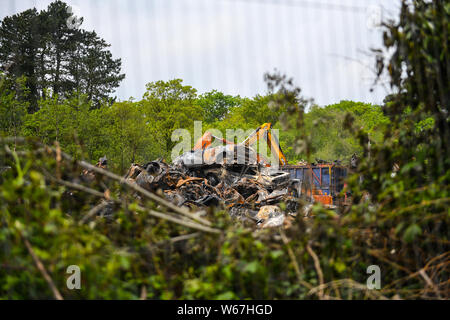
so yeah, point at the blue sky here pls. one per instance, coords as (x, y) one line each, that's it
(229, 44)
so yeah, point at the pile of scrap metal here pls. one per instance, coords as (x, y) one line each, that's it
(225, 176)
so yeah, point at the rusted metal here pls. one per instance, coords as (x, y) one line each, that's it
(321, 182)
(243, 189)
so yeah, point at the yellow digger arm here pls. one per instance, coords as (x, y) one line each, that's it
(264, 131)
(275, 147)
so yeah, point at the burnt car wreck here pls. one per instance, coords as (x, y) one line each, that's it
(225, 176)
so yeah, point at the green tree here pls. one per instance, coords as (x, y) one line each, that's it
(418, 138)
(253, 112)
(168, 106)
(53, 121)
(19, 43)
(130, 135)
(70, 122)
(249, 114)
(326, 127)
(56, 58)
(407, 177)
(12, 109)
(216, 105)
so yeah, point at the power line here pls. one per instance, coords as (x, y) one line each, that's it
(308, 4)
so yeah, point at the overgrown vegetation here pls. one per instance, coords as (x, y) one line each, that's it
(398, 219)
(137, 131)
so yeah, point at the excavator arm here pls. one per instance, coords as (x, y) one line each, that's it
(275, 148)
(206, 140)
(264, 131)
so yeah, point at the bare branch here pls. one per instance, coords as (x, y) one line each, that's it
(41, 268)
(294, 260)
(318, 268)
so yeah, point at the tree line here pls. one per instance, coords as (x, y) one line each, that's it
(139, 131)
(57, 82)
(398, 219)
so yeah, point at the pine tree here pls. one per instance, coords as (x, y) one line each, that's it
(19, 42)
(57, 58)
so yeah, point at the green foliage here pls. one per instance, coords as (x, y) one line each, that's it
(398, 218)
(216, 105)
(249, 114)
(53, 121)
(169, 106)
(120, 132)
(418, 138)
(121, 254)
(55, 239)
(12, 107)
(41, 47)
(125, 132)
(407, 176)
(130, 134)
(328, 137)
(142, 130)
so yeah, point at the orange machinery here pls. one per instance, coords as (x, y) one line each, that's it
(263, 131)
(322, 182)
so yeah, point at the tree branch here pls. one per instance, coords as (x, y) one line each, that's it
(41, 268)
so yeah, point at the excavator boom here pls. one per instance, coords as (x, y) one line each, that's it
(275, 147)
(206, 140)
(262, 132)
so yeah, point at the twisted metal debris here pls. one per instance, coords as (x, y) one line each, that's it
(248, 191)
